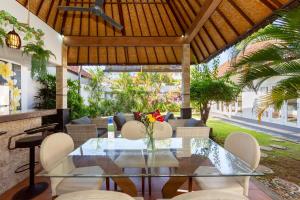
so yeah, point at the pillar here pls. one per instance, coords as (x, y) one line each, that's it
(186, 111)
(298, 112)
(284, 112)
(62, 91)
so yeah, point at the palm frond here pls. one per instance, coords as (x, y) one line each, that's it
(285, 90)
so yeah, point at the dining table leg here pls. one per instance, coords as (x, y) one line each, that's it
(126, 185)
(143, 185)
(173, 184)
(190, 184)
(107, 183)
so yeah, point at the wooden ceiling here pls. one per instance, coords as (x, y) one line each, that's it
(153, 28)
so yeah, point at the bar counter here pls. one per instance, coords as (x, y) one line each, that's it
(24, 114)
(12, 123)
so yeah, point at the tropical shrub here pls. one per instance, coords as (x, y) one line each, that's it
(207, 87)
(46, 98)
(95, 88)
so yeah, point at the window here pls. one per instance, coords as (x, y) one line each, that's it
(239, 101)
(292, 111)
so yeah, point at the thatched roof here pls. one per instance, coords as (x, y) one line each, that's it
(153, 28)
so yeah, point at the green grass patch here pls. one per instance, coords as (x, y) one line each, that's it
(222, 129)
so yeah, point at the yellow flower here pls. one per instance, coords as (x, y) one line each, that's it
(16, 92)
(151, 118)
(6, 70)
(10, 84)
(14, 104)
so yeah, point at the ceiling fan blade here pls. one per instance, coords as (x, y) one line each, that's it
(73, 8)
(110, 21)
(99, 3)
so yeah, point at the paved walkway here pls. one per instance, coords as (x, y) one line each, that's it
(271, 129)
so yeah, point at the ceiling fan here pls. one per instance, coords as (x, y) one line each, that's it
(97, 10)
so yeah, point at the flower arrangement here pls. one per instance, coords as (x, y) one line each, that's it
(149, 120)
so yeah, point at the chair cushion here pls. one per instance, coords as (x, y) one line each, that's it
(120, 120)
(228, 184)
(102, 132)
(193, 123)
(68, 185)
(209, 195)
(95, 195)
(168, 116)
(82, 120)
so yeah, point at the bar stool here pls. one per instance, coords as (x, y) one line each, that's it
(31, 142)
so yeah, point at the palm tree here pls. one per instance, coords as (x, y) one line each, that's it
(279, 57)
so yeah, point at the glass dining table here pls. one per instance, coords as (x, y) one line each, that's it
(180, 159)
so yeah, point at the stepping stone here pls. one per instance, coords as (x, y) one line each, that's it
(263, 155)
(264, 148)
(288, 139)
(277, 140)
(264, 169)
(276, 146)
(286, 185)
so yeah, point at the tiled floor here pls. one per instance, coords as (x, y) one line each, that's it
(254, 193)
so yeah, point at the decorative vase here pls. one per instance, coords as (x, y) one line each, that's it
(150, 139)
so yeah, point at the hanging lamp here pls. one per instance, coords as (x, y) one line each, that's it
(13, 40)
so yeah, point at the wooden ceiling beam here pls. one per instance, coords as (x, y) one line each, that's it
(134, 2)
(85, 41)
(205, 12)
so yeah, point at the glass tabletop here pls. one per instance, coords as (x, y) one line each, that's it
(119, 157)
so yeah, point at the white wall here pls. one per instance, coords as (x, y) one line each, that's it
(53, 40)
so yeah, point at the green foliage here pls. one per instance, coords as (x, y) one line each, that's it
(95, 88)
(142, 93)
(75, 101)
(137, 93)
(46, 98)
(34, 47)
(207, 87)
(279, 57)
(40, 58)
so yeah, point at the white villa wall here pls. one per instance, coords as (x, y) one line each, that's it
(249, 98)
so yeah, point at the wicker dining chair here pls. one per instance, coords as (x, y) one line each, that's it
(80, 133)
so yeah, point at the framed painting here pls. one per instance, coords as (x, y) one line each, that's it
(10, 86)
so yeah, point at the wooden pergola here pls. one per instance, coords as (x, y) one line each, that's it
(156, 32)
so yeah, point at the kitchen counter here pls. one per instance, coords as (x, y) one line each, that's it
(24, 114)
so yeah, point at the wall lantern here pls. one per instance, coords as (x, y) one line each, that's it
(13, 40)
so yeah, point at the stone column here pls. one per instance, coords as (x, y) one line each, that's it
(62, 90)
(298, 112)
(284, 111)
(186, 111)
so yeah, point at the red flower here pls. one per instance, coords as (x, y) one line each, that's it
(158, 116)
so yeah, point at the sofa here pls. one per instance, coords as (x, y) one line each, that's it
(184, 123)
(120, 119)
